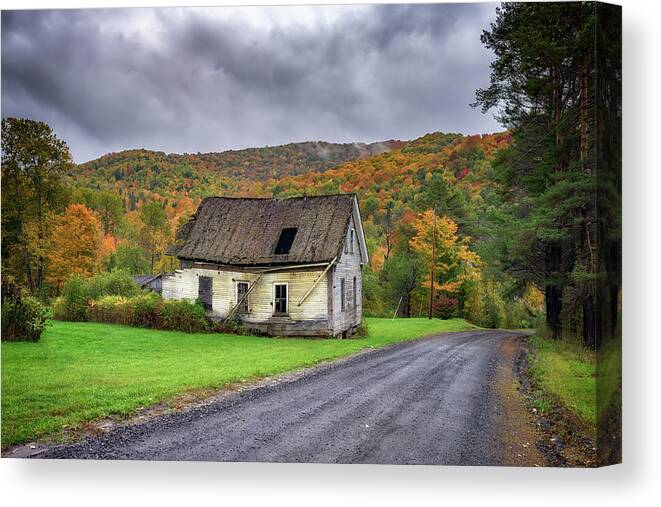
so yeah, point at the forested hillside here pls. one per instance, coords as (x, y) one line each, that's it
(131, 204)
(400, 185)
(139, 175)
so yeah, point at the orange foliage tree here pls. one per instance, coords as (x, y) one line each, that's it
(75, 245)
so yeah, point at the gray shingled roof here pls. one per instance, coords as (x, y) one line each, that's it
(152, 281)
(245, 231)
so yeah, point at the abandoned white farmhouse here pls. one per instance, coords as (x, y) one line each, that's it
(281, 266)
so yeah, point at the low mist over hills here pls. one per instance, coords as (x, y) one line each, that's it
(142, 175)
(148, 167)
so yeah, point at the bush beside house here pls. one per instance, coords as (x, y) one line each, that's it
(150, 311)
(79, 291)
(114, 298)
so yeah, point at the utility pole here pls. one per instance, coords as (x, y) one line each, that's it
(433, 264)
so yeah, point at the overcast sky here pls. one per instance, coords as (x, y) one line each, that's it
(211, 79)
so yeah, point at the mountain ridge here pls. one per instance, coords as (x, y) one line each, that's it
(310, 167)
(267, 161)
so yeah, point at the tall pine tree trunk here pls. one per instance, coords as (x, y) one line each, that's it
(553, 254)
(553, 296)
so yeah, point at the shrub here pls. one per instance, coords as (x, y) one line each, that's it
(114, 298)
(445, 307)
(79, 292)
(113, 283)
(149, 310)
(75, 296)
(145, 311)
(518, 316)
(183, 315)
(110, 309)
(24, 317)
(59, 308)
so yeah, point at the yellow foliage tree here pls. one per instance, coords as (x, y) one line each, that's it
(75, 245)
(455, 262)
(533, 299)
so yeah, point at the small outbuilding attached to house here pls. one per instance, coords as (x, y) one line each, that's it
(285, 267)
(153, 283)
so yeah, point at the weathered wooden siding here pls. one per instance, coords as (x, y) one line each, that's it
(348, 266)
(184, 285)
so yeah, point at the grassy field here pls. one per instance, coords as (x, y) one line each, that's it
(566, 374)
(84, 371)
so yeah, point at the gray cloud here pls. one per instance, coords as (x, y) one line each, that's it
(210, 79)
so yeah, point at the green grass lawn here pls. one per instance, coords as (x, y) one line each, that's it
(79, 372)
(566, 374)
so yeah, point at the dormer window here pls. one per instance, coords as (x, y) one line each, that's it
(285, 241)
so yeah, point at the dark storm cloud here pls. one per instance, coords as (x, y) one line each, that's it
(213, 79)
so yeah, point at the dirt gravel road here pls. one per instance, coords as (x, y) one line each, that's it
(449, 400)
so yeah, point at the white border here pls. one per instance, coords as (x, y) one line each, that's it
(81, 483)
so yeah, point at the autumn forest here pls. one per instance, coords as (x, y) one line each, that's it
(515, 229)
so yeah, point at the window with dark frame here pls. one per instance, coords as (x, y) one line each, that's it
(205, 291)
(351, 243)
(280, 298)
(241, 290)
(355, 290)
(285, 241)
(342, 294)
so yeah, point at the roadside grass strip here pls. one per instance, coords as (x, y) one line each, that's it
(566, 374)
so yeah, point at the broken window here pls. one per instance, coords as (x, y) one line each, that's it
(241, 299)
(205, 291)
(280, 298)
(286, 240)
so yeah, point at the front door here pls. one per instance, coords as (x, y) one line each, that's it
(204, 292)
